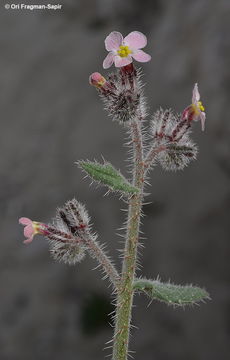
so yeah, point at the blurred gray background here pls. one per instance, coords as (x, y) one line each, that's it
(51, 117)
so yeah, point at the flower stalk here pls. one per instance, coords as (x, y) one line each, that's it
(96, 251)
(153, 152)
(125, 291)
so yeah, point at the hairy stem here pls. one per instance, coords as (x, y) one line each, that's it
(148, 161)
(125, 290)
(97, 252)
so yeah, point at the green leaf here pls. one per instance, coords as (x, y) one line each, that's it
(170, 293)
(108, 175)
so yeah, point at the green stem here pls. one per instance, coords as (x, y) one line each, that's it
(96, 251)
(125, 290)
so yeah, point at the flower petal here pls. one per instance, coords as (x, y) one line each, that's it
(202, 120)
(141, 56)
(113, 41)
(29, 231)
(195, 94)
(29, 240)
(25, 221)
(108, 60)
(135, 40)
(122, 61)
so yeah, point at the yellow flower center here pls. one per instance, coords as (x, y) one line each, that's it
(200, 106)
(124, 51)
(37, 227)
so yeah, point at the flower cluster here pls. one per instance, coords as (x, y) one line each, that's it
(122, 91)
(123, 97)
(172, 131)
(66, 235)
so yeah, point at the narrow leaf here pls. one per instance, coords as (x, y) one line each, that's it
(170, 293)
(107, 175)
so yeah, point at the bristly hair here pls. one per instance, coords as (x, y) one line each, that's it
(66, 235)
(170, 131)
(124, 100)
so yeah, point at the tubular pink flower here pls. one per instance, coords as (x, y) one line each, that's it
(195, 111)
(31, 228)
(123, 51)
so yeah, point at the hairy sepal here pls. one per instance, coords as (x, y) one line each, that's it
(177, 156)
(123, 95)
(107, 175)
(172, 132)
(67, 232)
(171, 294)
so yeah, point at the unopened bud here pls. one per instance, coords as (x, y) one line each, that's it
(68, 232)
(74, 216)
(96, 79)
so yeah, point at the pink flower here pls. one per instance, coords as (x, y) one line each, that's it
(195, 111)
(31, 228)
(123, 51)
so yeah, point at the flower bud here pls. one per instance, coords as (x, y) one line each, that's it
(122, 94)
(66, 235)
(97, 80)
(177, 156)
(74, 216)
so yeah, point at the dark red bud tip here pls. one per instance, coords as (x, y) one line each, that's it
(96, 79)
(128, 69)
